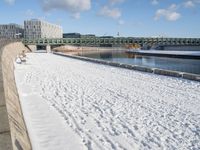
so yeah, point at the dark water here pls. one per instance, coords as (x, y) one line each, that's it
(176, 64)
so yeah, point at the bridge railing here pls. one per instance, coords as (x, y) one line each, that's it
(113, 41)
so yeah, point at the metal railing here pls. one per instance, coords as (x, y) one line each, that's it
(114, 42)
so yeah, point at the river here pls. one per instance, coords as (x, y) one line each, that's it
(176, 64)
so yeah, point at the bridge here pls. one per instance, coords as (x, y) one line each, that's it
(115, 42)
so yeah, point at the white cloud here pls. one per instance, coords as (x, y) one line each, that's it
(173, 7)
(72, 6)
(10, 2)
(114, 13)
(154, 2)
(113, 2)
(169, 14)
(189, 4)
(76, 15)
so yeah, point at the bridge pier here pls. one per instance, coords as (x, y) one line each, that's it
(48, 49)
(35, 48)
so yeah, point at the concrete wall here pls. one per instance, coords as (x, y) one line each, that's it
(19, 135)
(5, 139)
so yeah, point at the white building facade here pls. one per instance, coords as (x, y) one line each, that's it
(35, 28)
(11, 31)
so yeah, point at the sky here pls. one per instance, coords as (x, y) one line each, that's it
(129, 18)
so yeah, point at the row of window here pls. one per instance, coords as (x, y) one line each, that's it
(8, 27)
(29, 26)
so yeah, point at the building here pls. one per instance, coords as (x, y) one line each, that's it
(11, 31)
(88, 36)
(71, 35)
(78, 35)
(35, 28)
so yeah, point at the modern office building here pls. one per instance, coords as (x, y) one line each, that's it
(71, 35)
(35, 28)
(88, 36)
(78, 35)
(11, 31)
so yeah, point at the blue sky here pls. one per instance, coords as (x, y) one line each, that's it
(170, 18)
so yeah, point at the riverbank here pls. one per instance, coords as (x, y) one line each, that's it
(178, 74)
(104, 107)
(76, 50)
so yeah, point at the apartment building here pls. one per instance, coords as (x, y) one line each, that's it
(35, 28)
(11, 31)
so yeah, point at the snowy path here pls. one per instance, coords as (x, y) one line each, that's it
(102, 107)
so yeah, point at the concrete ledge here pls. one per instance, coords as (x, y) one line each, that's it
(116, 64)
(4, 120)
(157, 71)
(5, 137)
(144, 69)
(5, 143)
(191, 76)
(167, 72)
(17, 128)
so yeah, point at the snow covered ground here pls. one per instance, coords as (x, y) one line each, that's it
(72, 104)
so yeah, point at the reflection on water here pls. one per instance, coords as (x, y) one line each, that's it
(105, 55)
(177, 64)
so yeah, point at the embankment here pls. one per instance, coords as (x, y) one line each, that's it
(87, 50)
(158, 71)
(10, 101)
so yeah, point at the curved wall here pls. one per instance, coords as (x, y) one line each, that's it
(18, 131)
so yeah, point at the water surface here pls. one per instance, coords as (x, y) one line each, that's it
(176, 64)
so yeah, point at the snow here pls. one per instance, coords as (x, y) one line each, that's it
(72, 104)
